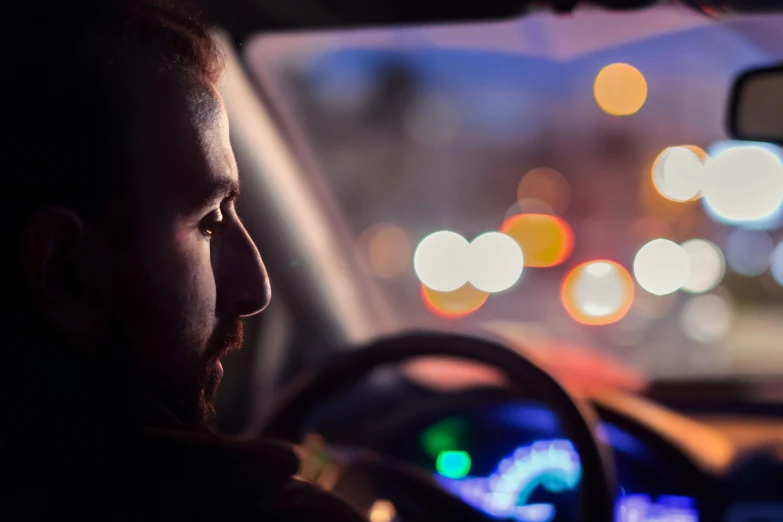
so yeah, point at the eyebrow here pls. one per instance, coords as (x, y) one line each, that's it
(220, 190)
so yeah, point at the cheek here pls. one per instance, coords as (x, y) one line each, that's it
(196, 288)
(175, 290)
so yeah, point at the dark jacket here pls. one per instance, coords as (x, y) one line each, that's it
(162, 474)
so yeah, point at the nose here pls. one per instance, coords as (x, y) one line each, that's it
(243, 284)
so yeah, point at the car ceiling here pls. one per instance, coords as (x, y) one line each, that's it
(244, 17)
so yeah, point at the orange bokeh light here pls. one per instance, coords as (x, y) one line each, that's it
(545, 185)
(453, 305)
(545, 240)
(620, 89)
(384, 250)
(597, 292)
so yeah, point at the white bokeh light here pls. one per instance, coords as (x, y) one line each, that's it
(661, 267)
(442, 261)
(600, 291)
(496, 262)
(678, 174)
(721, 146)
(707, 318)
(707, 265)
(743, 184)
(748, 252)
(776, 265)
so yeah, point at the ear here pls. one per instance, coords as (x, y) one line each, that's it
(57, 258)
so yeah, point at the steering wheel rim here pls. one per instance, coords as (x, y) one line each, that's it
(577, 418)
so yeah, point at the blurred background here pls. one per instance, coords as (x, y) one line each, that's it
(565, 181)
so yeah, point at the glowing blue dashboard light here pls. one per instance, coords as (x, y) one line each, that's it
(552, 464)
(535, 513)
(640, 508)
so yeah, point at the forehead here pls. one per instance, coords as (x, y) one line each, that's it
(177, 142)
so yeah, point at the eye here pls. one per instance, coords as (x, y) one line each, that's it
(211, 224)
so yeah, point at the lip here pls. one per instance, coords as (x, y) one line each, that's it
(214, 375)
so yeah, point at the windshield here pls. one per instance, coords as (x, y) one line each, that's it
(563, 179)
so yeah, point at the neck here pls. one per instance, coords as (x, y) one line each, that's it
(54, 394)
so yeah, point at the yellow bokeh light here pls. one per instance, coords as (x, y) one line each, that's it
(620, 89)
(385, 250)
(545, 240)
(382, 511)
(597, 293)
(453, 305)
(545, 185)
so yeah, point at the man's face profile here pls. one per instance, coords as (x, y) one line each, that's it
(189, 271)
(152, 294)
(129, 269)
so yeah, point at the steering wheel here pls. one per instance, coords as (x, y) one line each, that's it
(578, 420)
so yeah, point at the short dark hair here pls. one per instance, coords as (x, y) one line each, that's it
(65, 109)
(63, 98)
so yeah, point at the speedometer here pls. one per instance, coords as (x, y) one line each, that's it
(511, 462)
(553, 465)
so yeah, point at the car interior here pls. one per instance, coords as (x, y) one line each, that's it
(526, 257)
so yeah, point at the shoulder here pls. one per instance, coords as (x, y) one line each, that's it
(170, 475)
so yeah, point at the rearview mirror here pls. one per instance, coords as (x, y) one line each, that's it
(756, 110)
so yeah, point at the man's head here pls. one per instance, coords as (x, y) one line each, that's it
(128, 264)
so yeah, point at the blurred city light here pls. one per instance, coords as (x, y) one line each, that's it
(528, 206)
(620, 89)
(382, 511)
(678, 173)
(456, 304)
(707, 318)
(385, 250)
(721, 146)
(700, 153)
(661, 267)
(707, 265)
(743, 185)
(748, 252)
(546, 185)
(776, 264)
(597, 292)
(497, 262)
(545, 240)
(442, 261)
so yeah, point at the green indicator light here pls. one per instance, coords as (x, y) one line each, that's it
(445, 435)
(453, 464)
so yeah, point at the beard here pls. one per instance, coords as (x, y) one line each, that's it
(175, 371)
(227, 336)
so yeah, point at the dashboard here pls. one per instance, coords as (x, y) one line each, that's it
(511, 461)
